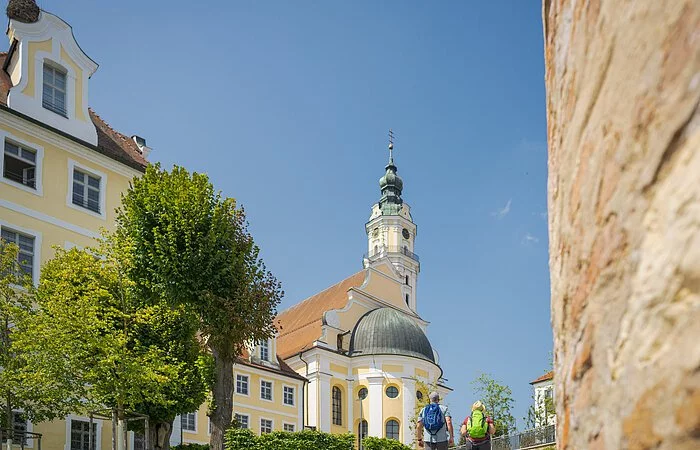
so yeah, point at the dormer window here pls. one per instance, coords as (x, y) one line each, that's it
(265, 350)
(54, 93)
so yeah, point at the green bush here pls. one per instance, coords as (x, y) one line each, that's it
(191, 447)
(373, 443)
(242, 439)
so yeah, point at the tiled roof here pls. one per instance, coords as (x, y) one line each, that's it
(284, 369)
(110, 142)
(546, 377)
(300, 325)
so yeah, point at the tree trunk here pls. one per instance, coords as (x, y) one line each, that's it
(9, 421)
(159, 435)
(223, 398)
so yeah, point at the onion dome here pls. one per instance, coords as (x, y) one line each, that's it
(391, 186)
(25, 11)
(386, 331)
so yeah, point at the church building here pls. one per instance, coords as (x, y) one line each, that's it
(361, 343)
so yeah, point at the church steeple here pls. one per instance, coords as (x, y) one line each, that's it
(391, 185)
(391, 232)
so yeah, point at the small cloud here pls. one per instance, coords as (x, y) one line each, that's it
(529, 239)
(501, 213)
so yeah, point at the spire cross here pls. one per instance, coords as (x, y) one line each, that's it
(391, 145)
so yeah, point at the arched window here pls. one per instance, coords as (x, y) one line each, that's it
(361, 432)
(337, 406)
(392, 429)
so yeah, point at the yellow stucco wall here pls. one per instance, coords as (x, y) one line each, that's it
(33, 47)
(392, 408)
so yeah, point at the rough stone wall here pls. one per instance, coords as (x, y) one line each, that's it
(623, 85)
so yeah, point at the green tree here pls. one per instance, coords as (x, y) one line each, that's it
(192, 246)
(90, 343)
(498, 399)
(15, 287)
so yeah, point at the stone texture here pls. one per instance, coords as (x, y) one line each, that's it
(623, 87)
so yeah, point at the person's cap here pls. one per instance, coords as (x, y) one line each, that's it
(434, 396)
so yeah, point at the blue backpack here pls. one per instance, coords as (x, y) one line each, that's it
(433, 419)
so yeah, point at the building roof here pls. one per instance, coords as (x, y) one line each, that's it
(284, 369)
(110, 142)
(300, 325)
(387, 331)
(546, 377)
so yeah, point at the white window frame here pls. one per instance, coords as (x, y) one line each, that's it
(72, 165)
(98, 435)
(272, 425)
(294, 395)
(247, 416)
(247, 377)
(39, 186)
(272, 390)
(267, 347)
(66, 89)
(293, 425)
(196, 423)
(36, 262)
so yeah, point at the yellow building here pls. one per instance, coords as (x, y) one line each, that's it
(63, 168)
(267, 397)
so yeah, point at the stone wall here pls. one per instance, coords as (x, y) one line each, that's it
(623, 85)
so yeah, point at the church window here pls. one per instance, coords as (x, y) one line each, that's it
(392, 429)
(362, 431)
(362, 394)
(392, 392)
(54, 89)
(337, 406)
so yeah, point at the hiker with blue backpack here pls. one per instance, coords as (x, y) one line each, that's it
(478, 428)
(434, 429)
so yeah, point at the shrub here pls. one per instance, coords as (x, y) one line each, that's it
(237, 439)
(190, 447)
(373, 443)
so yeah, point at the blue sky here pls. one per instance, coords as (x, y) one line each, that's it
(286, 105)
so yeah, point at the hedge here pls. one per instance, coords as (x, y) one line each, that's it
(373, 443)
(190, 447)
(243, 439)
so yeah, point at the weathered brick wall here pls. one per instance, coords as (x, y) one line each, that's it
(623, 85)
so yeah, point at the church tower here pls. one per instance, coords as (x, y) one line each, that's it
(391, 232)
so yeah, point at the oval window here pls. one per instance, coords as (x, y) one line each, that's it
(392, 392)
(419, 395)
(362, 393)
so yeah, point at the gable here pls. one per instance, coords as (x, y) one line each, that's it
(39, 52)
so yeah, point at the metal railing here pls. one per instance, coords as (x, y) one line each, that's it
(527, 440)
(386, 250)
(20, 439)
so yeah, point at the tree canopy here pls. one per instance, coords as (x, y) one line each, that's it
(498, 399)
(190, 245)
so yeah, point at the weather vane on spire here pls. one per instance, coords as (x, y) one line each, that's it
(391, 145)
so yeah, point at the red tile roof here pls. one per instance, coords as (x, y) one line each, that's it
(300, 325)
(546, 377)
(110, 142)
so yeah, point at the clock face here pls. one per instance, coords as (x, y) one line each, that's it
(406, 234)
